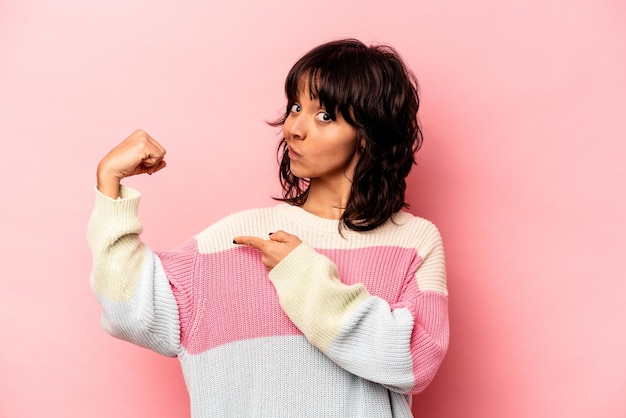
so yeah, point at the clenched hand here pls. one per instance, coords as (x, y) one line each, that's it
(137, 154)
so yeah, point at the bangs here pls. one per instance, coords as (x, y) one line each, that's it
(331, 76)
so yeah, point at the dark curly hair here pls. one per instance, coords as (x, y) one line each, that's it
(374, 91)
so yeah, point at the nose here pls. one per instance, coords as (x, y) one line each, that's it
(294, 127)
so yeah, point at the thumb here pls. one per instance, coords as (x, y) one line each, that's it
(161, 165)
(281, 236)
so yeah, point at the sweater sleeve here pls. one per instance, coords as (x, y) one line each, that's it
(128, 279)
(399, 345)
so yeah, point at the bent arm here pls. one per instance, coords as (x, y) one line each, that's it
(400, 346)
(128, 279)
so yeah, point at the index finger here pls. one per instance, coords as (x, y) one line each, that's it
(250, 241)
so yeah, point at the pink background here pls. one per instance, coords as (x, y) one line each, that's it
(523, 170)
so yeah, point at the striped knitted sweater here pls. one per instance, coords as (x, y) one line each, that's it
(346, 326)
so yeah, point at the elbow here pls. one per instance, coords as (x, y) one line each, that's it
(137, 332)
(124, 326)
(427, 363)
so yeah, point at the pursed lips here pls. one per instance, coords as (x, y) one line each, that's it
(292, 153)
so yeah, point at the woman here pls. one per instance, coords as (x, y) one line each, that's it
(331, 303)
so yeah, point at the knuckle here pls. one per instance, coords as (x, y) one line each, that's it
(142, 138)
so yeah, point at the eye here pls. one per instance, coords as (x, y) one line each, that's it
(323, 117)
(295, 108)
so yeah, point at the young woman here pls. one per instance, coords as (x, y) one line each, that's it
(332, 303)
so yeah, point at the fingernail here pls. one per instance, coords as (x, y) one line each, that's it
(234, 242)
(271, 233)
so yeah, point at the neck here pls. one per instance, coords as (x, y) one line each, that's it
(326, 201)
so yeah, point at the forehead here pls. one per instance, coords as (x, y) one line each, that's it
(306, 86)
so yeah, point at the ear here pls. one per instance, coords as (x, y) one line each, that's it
(362, 144)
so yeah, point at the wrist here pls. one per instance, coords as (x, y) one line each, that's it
(107, 184)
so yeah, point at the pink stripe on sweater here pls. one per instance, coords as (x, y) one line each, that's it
(428, 343)
(232, 298)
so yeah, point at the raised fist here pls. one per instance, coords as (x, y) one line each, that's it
(137, 154)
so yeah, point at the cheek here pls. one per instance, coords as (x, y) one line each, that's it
(347, 147)
(339, 156)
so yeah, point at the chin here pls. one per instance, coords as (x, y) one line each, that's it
(298, 172)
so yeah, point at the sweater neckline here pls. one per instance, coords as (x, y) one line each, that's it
(311, 221)
(330, 226)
